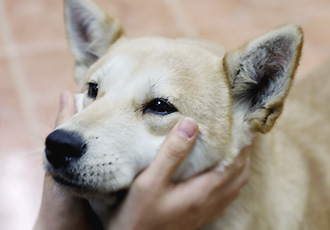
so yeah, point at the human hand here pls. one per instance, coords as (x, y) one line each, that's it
(154, 202)
(59, 209)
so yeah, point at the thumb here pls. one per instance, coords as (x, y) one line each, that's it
(173, 151)
(67, 109)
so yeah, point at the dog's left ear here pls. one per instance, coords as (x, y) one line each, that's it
(261, 75)
(90, 32)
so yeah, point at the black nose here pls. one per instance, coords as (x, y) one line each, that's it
(62, 147)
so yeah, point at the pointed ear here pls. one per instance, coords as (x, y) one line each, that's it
(90, 32)
(261, 75)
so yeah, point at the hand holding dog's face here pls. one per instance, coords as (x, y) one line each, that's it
(135, 90)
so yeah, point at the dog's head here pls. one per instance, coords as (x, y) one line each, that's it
(136, 90)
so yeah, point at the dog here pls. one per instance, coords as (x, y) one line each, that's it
(133, 91)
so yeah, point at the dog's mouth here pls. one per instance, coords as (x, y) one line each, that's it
(67, 183)
(112, 198)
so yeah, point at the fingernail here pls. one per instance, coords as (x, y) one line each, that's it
(187, 127)
(64, 98)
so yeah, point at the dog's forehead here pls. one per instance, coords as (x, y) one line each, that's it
(148, 60)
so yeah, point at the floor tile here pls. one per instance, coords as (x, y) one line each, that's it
(49, 74)
(14, 134)
(20, 194)
(35, 21)
(20, 162)
(234, 23)
(143, 18)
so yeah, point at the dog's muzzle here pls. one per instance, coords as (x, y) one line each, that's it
(63, 147)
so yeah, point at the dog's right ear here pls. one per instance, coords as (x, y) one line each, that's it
(90, 32)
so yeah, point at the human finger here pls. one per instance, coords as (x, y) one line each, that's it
(242, 178)
(174, 149)
(239, 162)
(215, 179)
(211, 201)
(228, 194)
(214, 185)
(67, 108)
(232, 189)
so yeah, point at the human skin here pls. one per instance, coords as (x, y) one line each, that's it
(177, 206)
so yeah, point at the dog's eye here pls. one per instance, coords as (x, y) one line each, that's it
(159, 106)
(92, 90)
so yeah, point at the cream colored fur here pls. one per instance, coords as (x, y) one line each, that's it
(227, 94)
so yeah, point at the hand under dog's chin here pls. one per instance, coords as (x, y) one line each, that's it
(84, 191)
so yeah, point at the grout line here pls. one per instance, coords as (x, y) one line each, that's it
(181, 18)
(18, 77)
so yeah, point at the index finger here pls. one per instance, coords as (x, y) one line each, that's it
(68, 108)
(174, 149)
(240, 160)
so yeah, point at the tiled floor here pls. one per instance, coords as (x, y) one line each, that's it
(35, 65)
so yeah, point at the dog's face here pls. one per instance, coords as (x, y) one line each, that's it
(133, 96)
(135, 90)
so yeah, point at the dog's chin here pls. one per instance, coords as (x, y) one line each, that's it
(84, 191)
